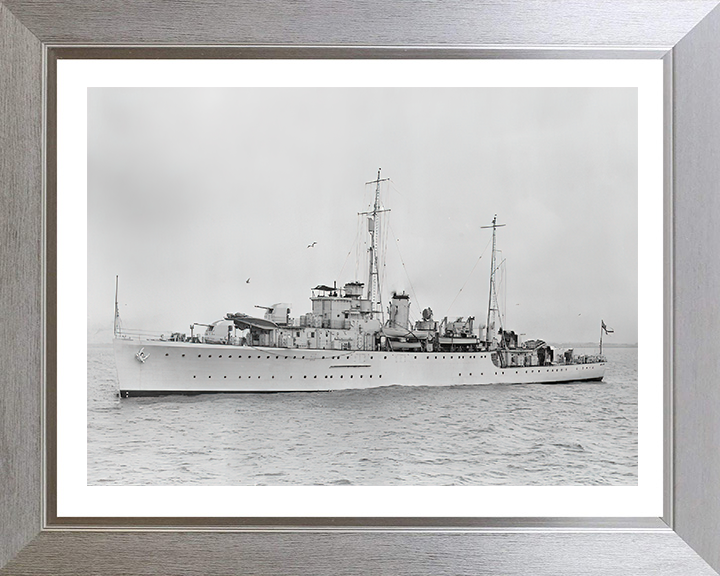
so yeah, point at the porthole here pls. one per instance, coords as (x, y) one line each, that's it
(220, 356)
(209, 355)
(370, 375)
(166, 354)
(194, 376)
(199, 355)
(224, 376)
(384, 357)
(315, 376)
(183, 355)
(351, 375)
(209, 376)
(228, 356)
(304, 376)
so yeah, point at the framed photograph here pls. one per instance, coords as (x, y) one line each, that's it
(490, 266)
(559, 127)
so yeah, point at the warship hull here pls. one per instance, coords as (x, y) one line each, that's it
(155, 368)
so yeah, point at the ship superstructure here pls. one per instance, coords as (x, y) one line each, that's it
(348, 340)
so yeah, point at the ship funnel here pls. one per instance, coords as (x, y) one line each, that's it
(400, 310)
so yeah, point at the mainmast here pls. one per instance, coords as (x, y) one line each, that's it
(374, 230)
(117, 311)
(493, 306)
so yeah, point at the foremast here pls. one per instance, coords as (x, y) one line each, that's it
(374, 293)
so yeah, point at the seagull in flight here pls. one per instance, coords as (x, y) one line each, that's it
(312, 245)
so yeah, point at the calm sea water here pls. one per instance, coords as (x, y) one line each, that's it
(569, 434)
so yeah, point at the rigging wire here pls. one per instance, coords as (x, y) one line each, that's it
(468, 278)
(501, 268)
(355, 241)
(505, 287)
(502, 304)
(416, 300)
(357, 246)
(395, 188)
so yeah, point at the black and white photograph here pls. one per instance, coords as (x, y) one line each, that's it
(362, 286)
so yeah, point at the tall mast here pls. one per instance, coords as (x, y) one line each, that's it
(374, 230)
(493, 307)
(117, 311)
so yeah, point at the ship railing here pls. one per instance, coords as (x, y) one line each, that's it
(143, 335)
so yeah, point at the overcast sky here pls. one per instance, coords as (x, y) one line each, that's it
(193, 191)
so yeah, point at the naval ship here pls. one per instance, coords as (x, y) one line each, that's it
(348, 341)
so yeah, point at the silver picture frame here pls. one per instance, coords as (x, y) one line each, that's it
(684, 34)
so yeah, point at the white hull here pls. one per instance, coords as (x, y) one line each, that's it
(185, 368)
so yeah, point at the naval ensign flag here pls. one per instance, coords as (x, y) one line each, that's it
(603, 328)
